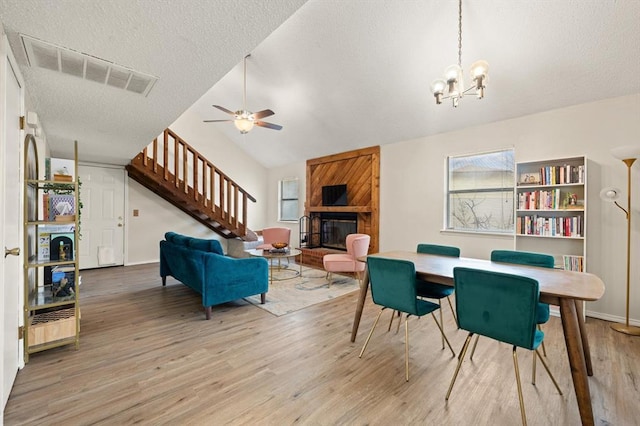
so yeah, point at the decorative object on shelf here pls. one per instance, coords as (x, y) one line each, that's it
(244, 120)
(453, 83)
(628, 155)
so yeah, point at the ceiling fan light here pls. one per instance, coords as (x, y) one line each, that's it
(243, 124)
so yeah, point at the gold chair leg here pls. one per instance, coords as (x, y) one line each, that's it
(443, 335)
(406, 347)
(370, 333)
(393, 315)
(460, 359)
(453, 312)
(515, 366)
(546, 367)
(533, 371)
(330, 278)
(473, 350)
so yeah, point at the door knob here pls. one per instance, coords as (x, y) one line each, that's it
(120, 225)
(12, 252)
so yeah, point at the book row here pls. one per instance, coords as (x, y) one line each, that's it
(573, 263)
(554, 175)
(570, 226)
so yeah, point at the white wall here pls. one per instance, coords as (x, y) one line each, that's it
(412, 182)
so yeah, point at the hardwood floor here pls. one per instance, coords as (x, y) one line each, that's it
(148, 356)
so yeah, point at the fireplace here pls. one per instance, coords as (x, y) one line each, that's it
(334, 228)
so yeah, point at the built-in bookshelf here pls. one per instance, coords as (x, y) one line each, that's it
(551, 214)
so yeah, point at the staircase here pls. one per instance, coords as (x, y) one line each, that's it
(176, 172)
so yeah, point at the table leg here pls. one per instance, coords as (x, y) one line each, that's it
(583, 335)
(364, 287)
(575, 352)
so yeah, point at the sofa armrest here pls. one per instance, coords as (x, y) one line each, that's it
(227, 278)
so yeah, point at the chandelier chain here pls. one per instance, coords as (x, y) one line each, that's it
(460, 33)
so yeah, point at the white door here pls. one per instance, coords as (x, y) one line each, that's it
(10, 189)
(102, 217)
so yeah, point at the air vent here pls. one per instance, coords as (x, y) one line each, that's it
(56, 58)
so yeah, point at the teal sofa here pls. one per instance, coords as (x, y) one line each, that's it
(201, 265)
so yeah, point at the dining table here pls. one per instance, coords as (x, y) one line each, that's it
(565, 289)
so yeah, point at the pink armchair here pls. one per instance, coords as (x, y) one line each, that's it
(274, 235)
(357, 246)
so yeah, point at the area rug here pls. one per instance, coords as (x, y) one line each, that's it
(289, 292)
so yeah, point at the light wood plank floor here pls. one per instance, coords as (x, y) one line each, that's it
(148, 356)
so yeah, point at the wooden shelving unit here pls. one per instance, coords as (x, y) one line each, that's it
(551, 208)
(51, 273)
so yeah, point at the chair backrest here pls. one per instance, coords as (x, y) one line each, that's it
(393, 283)
(357, 245)
(498, 305)
(440, 250)
(523, 258)
(276, 235)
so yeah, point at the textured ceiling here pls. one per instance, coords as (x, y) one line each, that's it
(339, 75)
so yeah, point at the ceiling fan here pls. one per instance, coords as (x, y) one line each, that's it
(245, 120)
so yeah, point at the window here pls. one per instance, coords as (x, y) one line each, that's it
(288, 203)
(480, 192)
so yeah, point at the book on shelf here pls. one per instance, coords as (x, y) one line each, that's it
(549, 226)
(561, 175)
(573, 263)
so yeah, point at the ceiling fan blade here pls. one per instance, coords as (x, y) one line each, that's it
(215, 121)
(262, 114)
(224, 109)
(268, 125)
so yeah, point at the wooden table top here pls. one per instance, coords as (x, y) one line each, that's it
(554, 283)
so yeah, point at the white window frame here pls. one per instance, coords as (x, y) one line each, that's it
(507, 187)
(281, 200)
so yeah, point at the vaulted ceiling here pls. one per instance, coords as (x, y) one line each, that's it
(339, 75)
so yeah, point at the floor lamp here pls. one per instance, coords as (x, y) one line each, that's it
(628, 155)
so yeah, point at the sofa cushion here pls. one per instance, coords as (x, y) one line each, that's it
(169, 236)
(210, 246)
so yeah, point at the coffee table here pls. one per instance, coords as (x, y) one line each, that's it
(292, 252)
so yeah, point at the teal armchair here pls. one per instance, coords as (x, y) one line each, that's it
(393, 286)
(437, 291)
(502, 307)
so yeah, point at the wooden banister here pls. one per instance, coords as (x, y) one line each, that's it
(194, 180)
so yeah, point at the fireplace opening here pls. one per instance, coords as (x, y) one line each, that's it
(334, 228)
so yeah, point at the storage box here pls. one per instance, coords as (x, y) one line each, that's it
(52, 326)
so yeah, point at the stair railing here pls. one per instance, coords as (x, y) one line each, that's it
(175, 161)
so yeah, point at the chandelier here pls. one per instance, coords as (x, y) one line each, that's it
(452, 85)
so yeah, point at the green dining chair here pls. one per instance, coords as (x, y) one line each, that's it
(502, 307)
(437, 291)
(393, 286)
(542, 309)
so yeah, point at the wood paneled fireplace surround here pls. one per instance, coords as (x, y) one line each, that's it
(327, 226)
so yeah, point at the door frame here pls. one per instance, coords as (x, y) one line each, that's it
(8, 61)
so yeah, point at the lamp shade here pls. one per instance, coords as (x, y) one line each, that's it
(626, 152)
(243, 124)
(610, 194)
(438, 86)
(479, 69)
